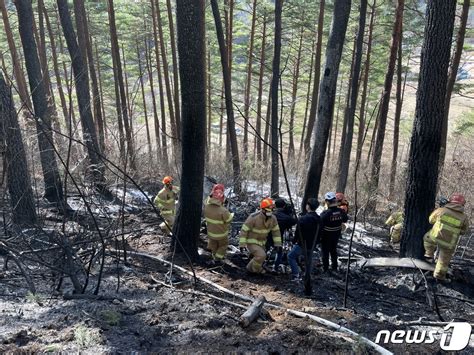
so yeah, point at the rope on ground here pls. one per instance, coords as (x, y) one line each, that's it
(317, 319)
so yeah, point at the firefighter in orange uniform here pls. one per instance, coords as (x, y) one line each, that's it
(165, 201)
(218, 219)
(449, 222)
(253, 234)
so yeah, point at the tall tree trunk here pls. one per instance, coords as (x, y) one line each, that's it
(57, 73)
(228, 96)
(248, 83)
(378, 147)
(169, 94)
(44, 67)
(192, 68)
(97, 168)
(85, 42)
(317, 75)
(18, 176)
(52, 180)
(145, 110)
(127, 93)
(101, 96)
(275, 183)
(426, 135)
(291, 146)
(17, 70)
(365, 80)
(160, 83)
(327, 97)
(120, 83)
(452, 74)
(396, 123)
(267, 127)
(308, 94)
(177, 108)
(209, 105)
(350, 112)
(258, 127)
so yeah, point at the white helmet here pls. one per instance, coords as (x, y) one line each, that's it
(330, 196)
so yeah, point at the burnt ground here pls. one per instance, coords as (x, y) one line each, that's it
(146, 314)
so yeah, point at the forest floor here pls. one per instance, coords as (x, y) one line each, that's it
(142, 311)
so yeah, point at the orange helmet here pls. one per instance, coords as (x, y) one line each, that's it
(267, 203)
(457, 198)
(218, 192)
(340, 196)
(167, 180)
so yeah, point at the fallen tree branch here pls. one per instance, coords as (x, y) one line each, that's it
(252, 312)
(319, 320)
(396, 262)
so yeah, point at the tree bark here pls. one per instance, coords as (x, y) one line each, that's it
(452, 74)
(396, 123)
(17, 70)
(258, 125)
(365, 80)
(378, 147)
(18, 176)
(426, 135)
(350, 112)
(120, 83)
(248, 83)
(192, 70)
(317, 75)
(275, 182)
(228, 96)
(327, 97)
(145, 110)
(85, 42)
(177, 108)
(97, 168)
(57, 73)
(52, 180)
(169, 94)
(294, 93)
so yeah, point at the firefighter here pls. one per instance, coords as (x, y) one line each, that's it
(218, 219)
(332, 220)
(449, 222)
(253, 235)
(165, 201)
(395, 222)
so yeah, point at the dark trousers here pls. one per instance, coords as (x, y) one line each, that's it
(329, 247)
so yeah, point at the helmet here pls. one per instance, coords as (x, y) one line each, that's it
(340, 196)
(267, 203)
(457, 198)
(167, 180)
(218, 192)
(330, 196)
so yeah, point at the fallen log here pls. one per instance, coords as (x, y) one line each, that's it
(379, 349)
(252, 312)
(396, 262)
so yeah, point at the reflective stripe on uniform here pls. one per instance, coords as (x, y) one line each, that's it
(451, 220)
(166, 212)
(165, 201)
(231, 216)
(245, 228)
(261, 231)
(213, 221)
(332, 229)
(277, 240)
(242, 241)
(217, 235)
(276, 228)
(256, 241)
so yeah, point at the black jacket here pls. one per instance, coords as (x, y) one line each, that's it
(332, 220)
(285, 222)
(307, 229)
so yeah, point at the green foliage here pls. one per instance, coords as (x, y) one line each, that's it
(85, 337)
(111, 317)
(465, 125)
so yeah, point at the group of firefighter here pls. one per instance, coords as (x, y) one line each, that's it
(263, 229)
